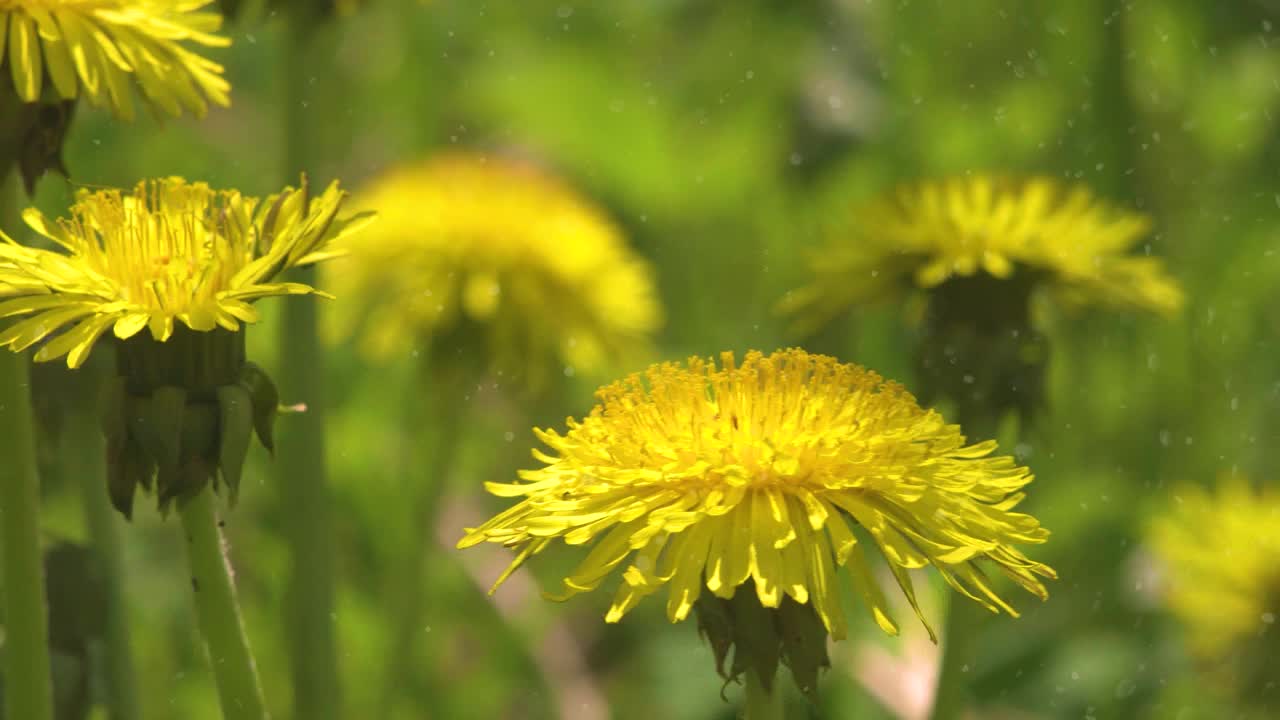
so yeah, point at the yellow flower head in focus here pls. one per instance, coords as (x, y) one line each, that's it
(1062, 237)
(474, 249)
(771, 475)
(1221, 553)
(97, 49)
(169, 251)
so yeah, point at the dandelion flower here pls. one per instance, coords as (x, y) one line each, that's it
(94, 48)
(53, 52)
(1221, 553)
(168, 252)
(928, 234)
(172, 269)
(755, 484)
(496, 257)
(978, 249)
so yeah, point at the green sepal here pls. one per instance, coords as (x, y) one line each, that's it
(198, 438)
(236, 427)
(168, 487)
(115, 401)
(115, 429)
(199, 431)
(804, 644)
(716, 625)
(755, 636)
(156, 422)
(266, 403)
(127, 468)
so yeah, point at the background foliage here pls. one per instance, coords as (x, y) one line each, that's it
(722, 136)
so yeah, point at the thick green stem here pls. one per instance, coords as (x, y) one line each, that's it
(761, 704)
(239, 690)
(300, 466)
(83, 460)
(28, 690)
(964, 622)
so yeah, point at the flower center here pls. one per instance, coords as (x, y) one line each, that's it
(168, 248)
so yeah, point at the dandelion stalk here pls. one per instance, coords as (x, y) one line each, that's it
(959, 640)
(438, 406)
(300, 466)
(761, 704)
(965, 620)
(239, 690)
(83, 452)
(28, 690)
(437, 403)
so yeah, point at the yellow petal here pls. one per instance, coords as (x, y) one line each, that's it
(24, 56)
(22, 335)
(686, 584)
(77, 342)
(57, 55)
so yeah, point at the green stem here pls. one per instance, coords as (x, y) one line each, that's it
(28, 689)
(761, 704)
(83, 457)
(437, 405)
(964, 617)
(964, 621)
(300, 467)
(239, 690)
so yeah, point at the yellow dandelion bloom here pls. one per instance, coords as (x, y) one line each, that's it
(169, 251)
(698, 477)
(95, 48)
(1038, 229)
(483, 249)
(1221, 553)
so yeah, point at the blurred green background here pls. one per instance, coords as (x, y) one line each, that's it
(720, 136)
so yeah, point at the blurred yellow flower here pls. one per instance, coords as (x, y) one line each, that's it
(169, 250)
(926, 234)
(1221, 553)
(92, 48)
(708, 476)
(473, 248)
